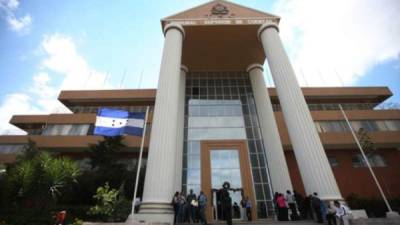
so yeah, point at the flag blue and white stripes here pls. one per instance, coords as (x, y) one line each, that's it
(113, 122)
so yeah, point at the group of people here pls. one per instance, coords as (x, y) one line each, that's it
(310, 207)
(190, 208)
(244, 210)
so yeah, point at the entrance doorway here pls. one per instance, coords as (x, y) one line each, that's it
(226, 161)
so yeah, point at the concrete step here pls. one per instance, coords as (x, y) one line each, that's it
(260, 222)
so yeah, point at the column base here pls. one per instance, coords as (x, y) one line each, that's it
(331, 197)
(392, 215)
(153, 213)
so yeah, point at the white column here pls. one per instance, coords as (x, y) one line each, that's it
(180, 133)
(310, 155)
(159, 183)
(278, 171)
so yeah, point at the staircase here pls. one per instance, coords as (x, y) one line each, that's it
(370, 221)
(260, 222)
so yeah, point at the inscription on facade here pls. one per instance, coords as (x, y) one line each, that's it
(222, 21)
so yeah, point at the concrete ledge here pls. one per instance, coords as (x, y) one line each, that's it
(101, 223)
(128, 222)
(375, 221)
(359, 213)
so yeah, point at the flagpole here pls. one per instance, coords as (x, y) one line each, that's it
(366, 160)
(139, 163)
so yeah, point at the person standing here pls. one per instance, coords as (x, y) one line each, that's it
(248, 208)
(202, 207)
(276, 208)
(292, 205)
(282, 209)
(226, 203)
(307, 208)
(300, 203)
(181, 208)
(236, 210)
(175, 204)
(316, 205)
(191, 198)
(136, 205)
(342, 213)
(330, 215)
(243, 208)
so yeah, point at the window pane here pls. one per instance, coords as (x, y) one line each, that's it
(11, 149)
(256, 176)
(216, 133)
(333, 161)
(193, 176)
(392, 125)
(377, 160)
(259, 191)
(216, 121)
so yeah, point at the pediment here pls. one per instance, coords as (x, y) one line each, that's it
(220, 9)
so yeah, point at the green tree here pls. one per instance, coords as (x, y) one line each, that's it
(42, 177)
(29, 151)
(365, 141)
(103, 154)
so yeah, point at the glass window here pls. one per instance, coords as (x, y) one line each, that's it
(393, 125)
(217, 121)
(193, 176)
(318, 126)
(264, 175)
(256, 176)
(357, 161)
(259, 191)
(194, 147)
(333, 161)
(224, 109)
(375, 160)
(216, 133)
(262, 209)
(79, 129)
(254, 160)
(11, 148)
(193, 161)
(66, 129)
(252, 147)
(225, 166)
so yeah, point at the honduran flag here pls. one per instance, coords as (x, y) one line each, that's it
(112, 122)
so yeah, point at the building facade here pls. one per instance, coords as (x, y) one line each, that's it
(214, 120)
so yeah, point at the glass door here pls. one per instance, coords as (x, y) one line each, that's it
(225, 167)
(225, 161)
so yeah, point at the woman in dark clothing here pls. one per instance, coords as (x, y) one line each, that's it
(300, 203)
(276, 204)
(226, 203)
(175, 204)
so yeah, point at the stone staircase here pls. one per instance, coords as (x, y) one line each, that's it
(369, 221)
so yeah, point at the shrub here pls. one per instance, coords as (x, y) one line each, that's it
(31, 187)
(77, 222)
(110, 206)
(373, 207)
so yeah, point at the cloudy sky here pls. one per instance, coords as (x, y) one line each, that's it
(47, 46)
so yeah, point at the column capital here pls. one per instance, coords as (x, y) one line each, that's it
(254, 66)
(266, 26)
(177, 26)
(184, 68)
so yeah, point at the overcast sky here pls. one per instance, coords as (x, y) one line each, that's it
(47, 46)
